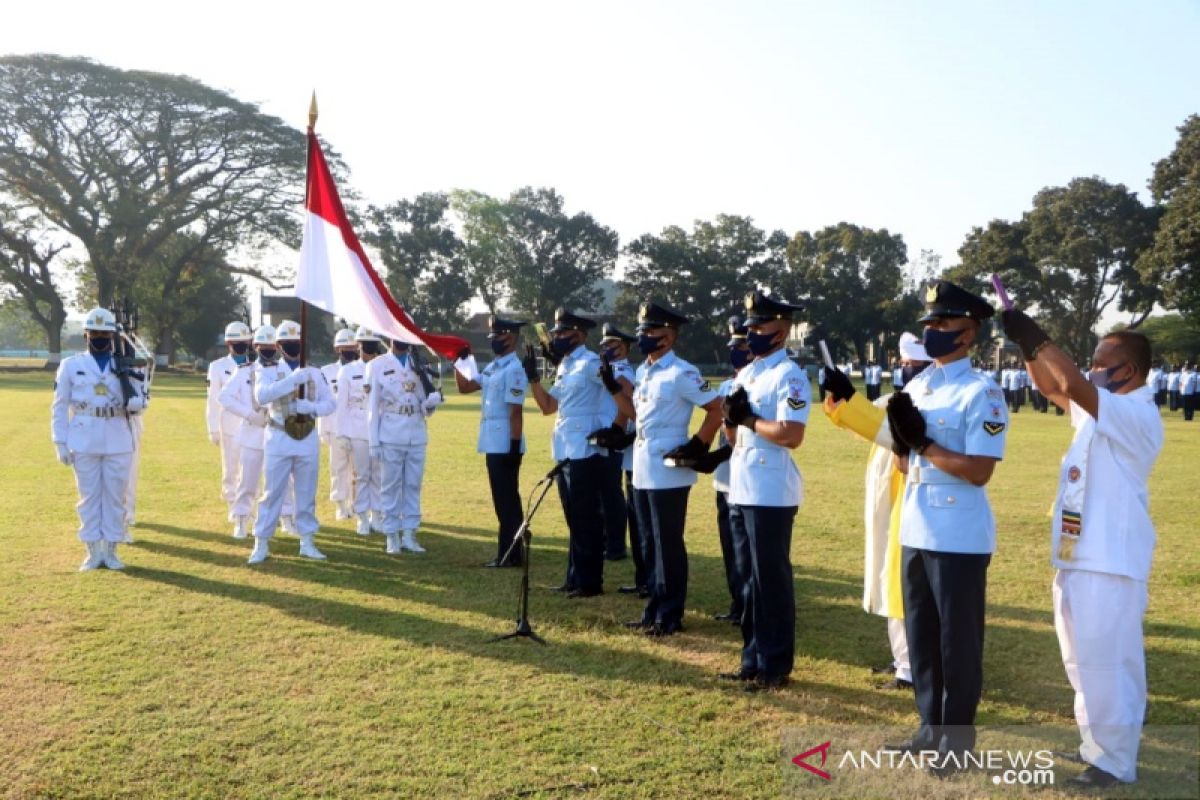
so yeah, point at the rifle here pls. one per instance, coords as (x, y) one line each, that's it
(127, 363)
(421, 369)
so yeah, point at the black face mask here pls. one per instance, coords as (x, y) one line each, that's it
(371, 348)
(290, 348)
(347, 356)
(268, 354)
(239, 348)
(100, 344)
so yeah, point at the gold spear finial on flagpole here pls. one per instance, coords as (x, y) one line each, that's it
(312, 111)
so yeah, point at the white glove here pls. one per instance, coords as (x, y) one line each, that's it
(64, 454)
(306, 407)
(136, 403)
(300, 375)
(215, 438)
(433, 401)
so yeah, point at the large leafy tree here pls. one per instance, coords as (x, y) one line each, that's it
(1068, 259)
(424, 257)
(126, 162)
(851, 280)
(27, 260)
(1173, 262)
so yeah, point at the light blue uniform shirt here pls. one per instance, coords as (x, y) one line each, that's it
(503, 385)
(663, 396)
(964, 412)
(579, 391)
(721, 473)
(608, 407)
(762, 473)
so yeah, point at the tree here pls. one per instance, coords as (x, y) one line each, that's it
(125, 161)
(553, 259)
(485, 244)
(851, 280)
(26, 258)
(1174, 338)
(423, 257)
(1068, 259)
(704, 274)
(1173, 262)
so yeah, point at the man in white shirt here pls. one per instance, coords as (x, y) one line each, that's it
(341, 472)
(1189, 391)
(223, 425)
(1102, 538)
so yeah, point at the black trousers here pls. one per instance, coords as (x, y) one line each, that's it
(504, 474)
(1174, 394)
(733, 577)
(579, 487)
(641, 570)
(1189, 405)
(762, 543)
(614, 506)
(661, 516)
(872, 391)
(944, 599)
(1160, 398)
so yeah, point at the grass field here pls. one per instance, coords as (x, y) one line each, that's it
(192, 674)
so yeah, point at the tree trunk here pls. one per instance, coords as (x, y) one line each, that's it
(164, 351)
(53, 343)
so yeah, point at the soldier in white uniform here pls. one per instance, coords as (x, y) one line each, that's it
(237, 397)
(1102, 538)
(291, 451)
(90, 428)
(223, 425)
(353, 435)
(1189, 391)
(397, 405)
(341, 477)
(501, 430)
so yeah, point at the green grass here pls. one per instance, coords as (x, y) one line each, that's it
(192, 674)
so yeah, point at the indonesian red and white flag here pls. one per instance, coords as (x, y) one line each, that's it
(336, 275)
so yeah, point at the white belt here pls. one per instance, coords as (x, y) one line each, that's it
(104, 412)
(404, 411)
(930, 475)
(661, 433)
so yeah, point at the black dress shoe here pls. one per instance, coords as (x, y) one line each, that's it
(766, 683)
(643, 592)
(616, 557)
(904, 747)
(890, 669)
(629, 589)
(1092, 778)
(896, 683)
(637, 624)
(576, 594)
(1063, 755)
(726, 617)
(742, 674)
(660, 629)
(495, 563)
(565, 587)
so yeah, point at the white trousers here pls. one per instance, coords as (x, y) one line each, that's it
(138, 423)
(368, 475)
(230, 465)
(102, 482)
(250, 470)
(341, 470)
(400, 486)
(1098, 618)
(302, 473)
(899, 641)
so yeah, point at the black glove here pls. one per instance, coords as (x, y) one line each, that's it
(736, 408)
(687, 453)
(906, 424)
(466, 351)
(1021, 328)
(606, 437)
(837, 384)
(609, 378)
(529, 362)
(549, 355)
(709, 462)
(514, 447)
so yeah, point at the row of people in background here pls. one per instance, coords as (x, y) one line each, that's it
(1176, 387)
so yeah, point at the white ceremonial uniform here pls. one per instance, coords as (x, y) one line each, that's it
(353, 437)
(88, 416)
(1103, 552)
(664, 394)
(285, 458)
(761, 472)
(396, 410)
(502, 384)
(224, 424)
(237, 397)
(341, 470)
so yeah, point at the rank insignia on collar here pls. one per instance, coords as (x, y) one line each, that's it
(795, 403)
(993, 428)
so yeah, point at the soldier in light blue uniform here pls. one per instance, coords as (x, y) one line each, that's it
(948, 427)
(717, 462)
(666, 390)
(614, 350)
(767, 413)
(501, 429)
(580, 383)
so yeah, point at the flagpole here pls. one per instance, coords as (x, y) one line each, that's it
(312, 123)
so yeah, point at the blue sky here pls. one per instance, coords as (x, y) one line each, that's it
(922, 117)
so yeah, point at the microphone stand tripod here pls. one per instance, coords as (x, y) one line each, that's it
(525, 537)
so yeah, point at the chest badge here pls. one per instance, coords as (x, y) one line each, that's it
(409, 386)
(101, 389)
